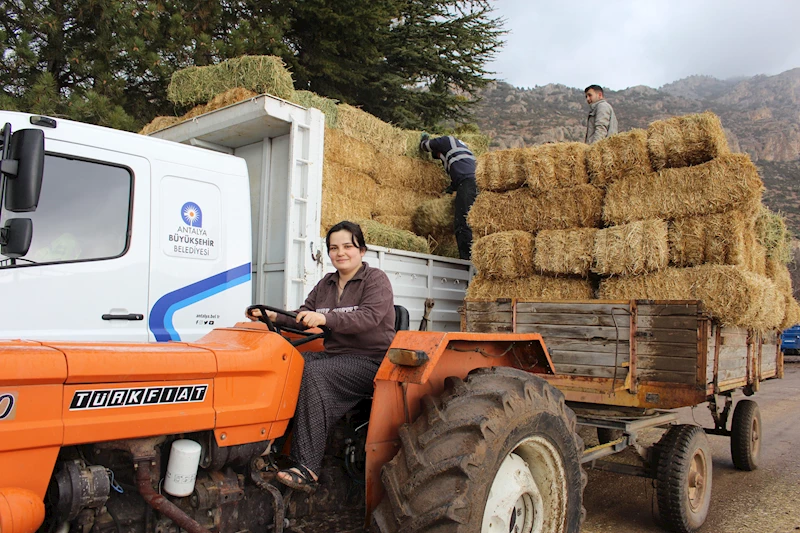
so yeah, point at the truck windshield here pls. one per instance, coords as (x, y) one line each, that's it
(83, 213)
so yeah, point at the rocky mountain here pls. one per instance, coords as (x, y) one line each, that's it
(761, 116)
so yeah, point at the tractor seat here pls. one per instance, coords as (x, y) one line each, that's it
(401, 320)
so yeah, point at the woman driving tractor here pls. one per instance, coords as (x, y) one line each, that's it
(356, 304)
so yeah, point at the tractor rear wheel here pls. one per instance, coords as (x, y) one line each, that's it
(497, 452)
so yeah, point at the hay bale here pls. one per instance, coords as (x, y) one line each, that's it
(731, 294)
(532, 288)
(406, 172)
(444, 245)
(521, 209)
(159, 123)
(631, 249)
(726, 183)
(348, 151)
(346, 195)
(370, 129)
(504, 255)
(229, 97)
(779, 273)
(772, 233)
(567, 251)
(718, 239)
(792, 315)
(616, 156)
(262, 74)
(435, 217)
(400, 222)
(388, 237)
(755, 256)
(541, 168)
(326, 105)
(398, 202)
(685, 141)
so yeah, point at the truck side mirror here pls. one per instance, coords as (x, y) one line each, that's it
(23, 169)
(15, 237)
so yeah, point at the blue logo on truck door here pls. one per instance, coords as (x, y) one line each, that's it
(167, 305)
(192, 215)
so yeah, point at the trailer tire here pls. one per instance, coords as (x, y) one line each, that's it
(746, 435)
(498, 424)
(683, 478)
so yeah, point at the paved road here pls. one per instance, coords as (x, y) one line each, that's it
(766, 500)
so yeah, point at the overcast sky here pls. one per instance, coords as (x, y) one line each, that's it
(622, 43)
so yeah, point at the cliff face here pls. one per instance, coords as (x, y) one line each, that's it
(761, 116)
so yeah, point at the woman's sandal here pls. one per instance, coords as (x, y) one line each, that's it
(300, 478)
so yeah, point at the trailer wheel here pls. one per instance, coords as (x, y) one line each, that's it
(497, 452)
(746, 435)
(684, 478)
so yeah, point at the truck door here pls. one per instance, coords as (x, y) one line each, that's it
(85, 276)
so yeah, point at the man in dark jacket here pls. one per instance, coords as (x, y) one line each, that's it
(459, 163)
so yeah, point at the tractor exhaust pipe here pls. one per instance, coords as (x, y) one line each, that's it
(144, 482)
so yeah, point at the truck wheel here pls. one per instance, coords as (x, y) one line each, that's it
(746, 435)
(497, 452)
(684, 478)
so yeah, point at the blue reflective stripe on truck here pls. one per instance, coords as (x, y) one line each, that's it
(165, 307)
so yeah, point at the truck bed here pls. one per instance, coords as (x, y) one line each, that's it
(636, 353)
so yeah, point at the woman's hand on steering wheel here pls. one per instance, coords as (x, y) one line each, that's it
(311, 319)
(255, 315)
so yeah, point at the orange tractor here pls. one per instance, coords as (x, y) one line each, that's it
(460, 435)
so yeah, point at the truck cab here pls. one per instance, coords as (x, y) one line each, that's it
(133, 239)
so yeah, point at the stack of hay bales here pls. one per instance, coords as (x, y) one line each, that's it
(372, 170)
(681, 219)
(529, 197)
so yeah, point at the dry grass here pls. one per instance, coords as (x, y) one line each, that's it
(687, 140)
(444, 245)
(719, 239)
(565, 251)
(388, 237)
(398, 202)
(756, 256)
(541, 168)
(779, 273)
(395, 221)
(792, 315)
(732, 295)
(159, 123)
(435, 217)
(772, 233)
(631, 249)
(370, 129)
(348, 151)
(534, 287)
(615, 156)
(326, 105)
(726, 183)
(574, 207)
(504, 255)
(346, 195)
(262, 74)
(406, 172)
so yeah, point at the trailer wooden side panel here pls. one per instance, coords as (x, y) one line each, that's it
(667, 342)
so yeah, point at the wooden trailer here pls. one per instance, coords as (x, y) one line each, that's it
(622, 365)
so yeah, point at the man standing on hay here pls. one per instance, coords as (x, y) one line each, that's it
(602, 121)
(459, 163)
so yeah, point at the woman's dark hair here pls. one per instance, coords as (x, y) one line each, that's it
(355, 232)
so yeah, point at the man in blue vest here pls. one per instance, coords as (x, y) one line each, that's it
(459, 163)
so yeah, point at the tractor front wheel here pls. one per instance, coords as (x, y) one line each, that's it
(495, 452)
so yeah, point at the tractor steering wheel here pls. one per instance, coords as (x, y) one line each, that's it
(262, 317)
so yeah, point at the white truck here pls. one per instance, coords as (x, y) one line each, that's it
(157, 239)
